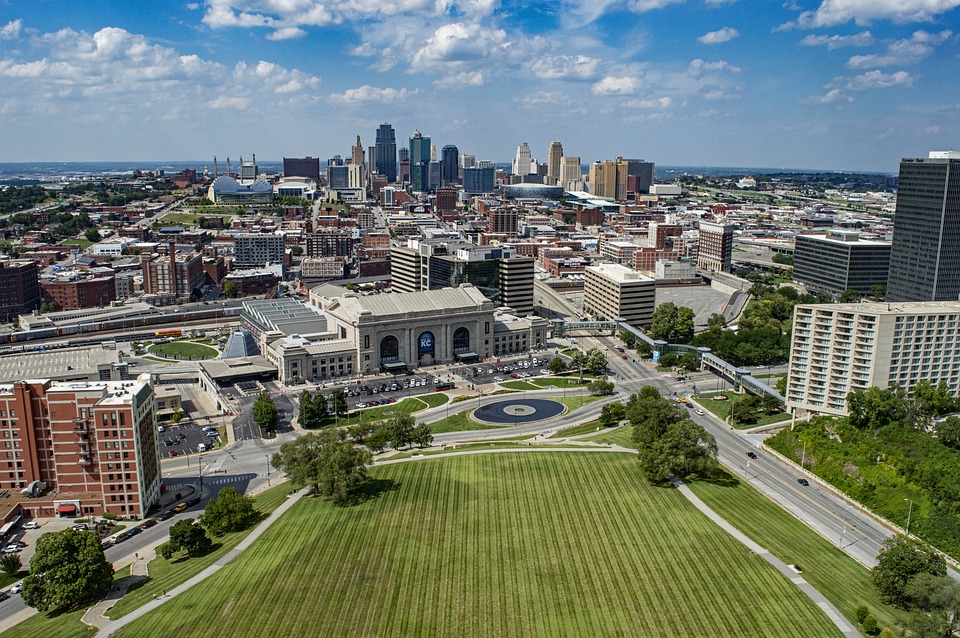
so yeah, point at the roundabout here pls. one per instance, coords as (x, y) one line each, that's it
(517, 411)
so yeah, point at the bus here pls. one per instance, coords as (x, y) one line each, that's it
(444, 385)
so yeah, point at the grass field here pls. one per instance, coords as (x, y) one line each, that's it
(495, 545)
(722, 409)
(185, 350)
(618, 436)
(844, 581)
(583, 428)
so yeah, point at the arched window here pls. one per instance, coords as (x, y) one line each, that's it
(389, 349)
(461, 340)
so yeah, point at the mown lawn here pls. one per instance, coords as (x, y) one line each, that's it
(574, 430)
(167, 574)
(381, 412)
(844, 581)
(185, 350)
(618, 436)
(532, 544)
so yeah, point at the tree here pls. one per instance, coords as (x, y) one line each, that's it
(265, 412)
(939, 597)
(378, 440)
(933, 400)
(579, 361)
(400, 429)
(49, 306)
(611, 414)
(313, 409)
(684, 325)
(627, 337)
(664, 321)
(92, 235)
(188, 535)
(771, 404)
(296, 251)
(68, 569)
(338, 401)
(948, 432)
(334, 466)
(850, 296)
(177, 414)
(10, 564)
(666, 443)
(876, 407)
(595, 362)
(901, 559)
(601, 387)
(422, 435)
(557, 365)
(229, 289)
(716, 323)
(229, 512)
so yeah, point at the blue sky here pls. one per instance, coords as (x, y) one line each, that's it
(829, 84)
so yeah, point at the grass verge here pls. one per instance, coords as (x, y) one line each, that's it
(722, 409)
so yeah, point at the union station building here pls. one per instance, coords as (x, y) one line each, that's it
(341, 333)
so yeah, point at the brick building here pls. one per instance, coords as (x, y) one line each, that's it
(19, 288)
(93, 444)
(98, 289)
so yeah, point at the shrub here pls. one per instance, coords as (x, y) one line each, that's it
(862, 613)
(870, 626)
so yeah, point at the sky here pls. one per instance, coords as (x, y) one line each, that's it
(812, 84)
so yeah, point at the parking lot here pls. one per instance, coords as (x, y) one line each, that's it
(504, 370)
(177, 440)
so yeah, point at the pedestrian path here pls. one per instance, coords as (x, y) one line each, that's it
(114, 626)
(96, 616)
(818, 599)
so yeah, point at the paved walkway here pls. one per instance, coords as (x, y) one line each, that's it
(96, 616)
(818, 599)
(114, 626)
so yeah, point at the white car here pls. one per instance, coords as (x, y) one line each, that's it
(17, 587)
(498, 379)
(700, 412)
(12, 549)
(544, 371)
(31, 525)
(161, 428)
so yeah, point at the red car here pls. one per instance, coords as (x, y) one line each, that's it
(172, 453)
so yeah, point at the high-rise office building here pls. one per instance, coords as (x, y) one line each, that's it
(715, 251)
(521, 163)
(925, 256)
(840, 261)
(356, 152)
(19, 288)
(480, 179)
(450, 165)
(420, 162)
(553, 162)
(386, 160)
(613, 291)
(435, 172)
(571, 175)
(302, 167)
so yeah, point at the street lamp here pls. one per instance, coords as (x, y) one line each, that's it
(267, 458)
(200, 472)
(843, 527)
(909, 514)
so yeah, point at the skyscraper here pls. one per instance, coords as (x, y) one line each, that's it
(386, 160)
(521, 163)
(449, 165)
(925, 257)
(420, 162)
(571, 174)
(553, 162)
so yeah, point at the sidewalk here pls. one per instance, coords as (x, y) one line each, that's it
(114, 626)
(96, 616)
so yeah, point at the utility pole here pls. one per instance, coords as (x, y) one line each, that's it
(267, 457)
(909, 514)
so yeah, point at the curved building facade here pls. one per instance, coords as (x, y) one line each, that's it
(532, 191)
(227, 190)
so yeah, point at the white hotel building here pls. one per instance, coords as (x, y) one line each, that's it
(839, 348)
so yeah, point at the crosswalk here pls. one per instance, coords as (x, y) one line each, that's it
(226, 480)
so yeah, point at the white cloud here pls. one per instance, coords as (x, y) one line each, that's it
(863, 39)
(651, 103)
(614, 85)
(544, 98)
(578, 12)
(902, 52)
(286, 33)
(833, 12)
(875, 80)
(458, 42)
(717, 3)
(566, 67)
(463, 78)
(367, 93)
(832, 96)
(192, 6)
(720, 36)
(11, 30)
(232, 102)
(698, 67)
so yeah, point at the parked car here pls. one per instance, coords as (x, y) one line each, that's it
(193, 501)
(31, 525)
(179, 507)
(166, 515)
(11, 549)
(80, 527)
(3, 596)
(17, 587)
(172, 453)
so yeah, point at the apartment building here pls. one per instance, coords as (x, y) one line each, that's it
(715, 247)
(839, 348)
(93, 443)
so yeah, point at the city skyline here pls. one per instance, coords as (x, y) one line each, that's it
(835, 84)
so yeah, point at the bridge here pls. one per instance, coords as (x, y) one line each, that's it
(741, 378)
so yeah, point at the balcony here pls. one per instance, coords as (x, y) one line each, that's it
(86, 460)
